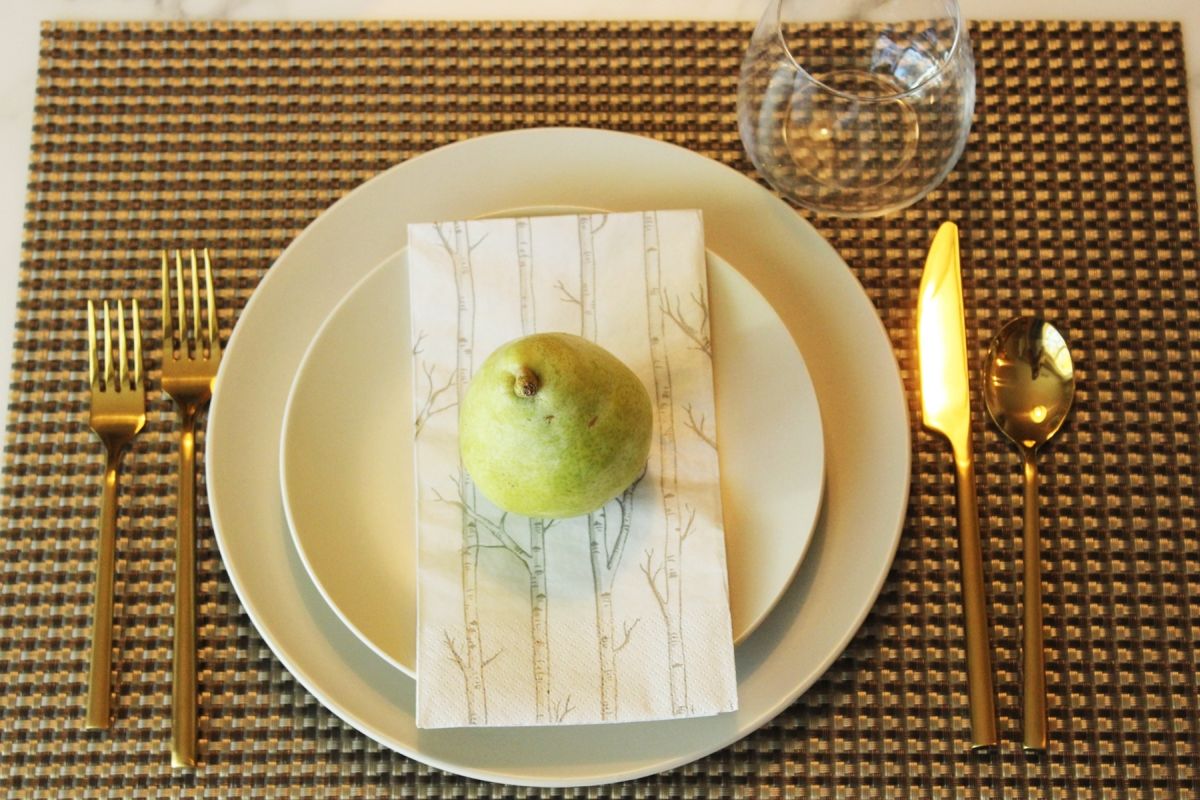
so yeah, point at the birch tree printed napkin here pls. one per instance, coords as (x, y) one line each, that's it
(617, 616)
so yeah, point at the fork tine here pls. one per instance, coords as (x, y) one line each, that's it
(91, 319)
(122, 357)
(198, 349)
(107, 350)
(168, 331)
(137, 346)
(181, 320)
(214, 339)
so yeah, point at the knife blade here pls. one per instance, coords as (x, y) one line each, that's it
(946, 409)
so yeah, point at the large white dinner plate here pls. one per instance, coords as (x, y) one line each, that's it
(346, 457)
(845, 347)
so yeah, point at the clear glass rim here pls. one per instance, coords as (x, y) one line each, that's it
(959, 25)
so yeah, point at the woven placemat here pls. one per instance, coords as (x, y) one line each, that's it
(1075, 198)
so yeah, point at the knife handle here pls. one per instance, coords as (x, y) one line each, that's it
(979, 662)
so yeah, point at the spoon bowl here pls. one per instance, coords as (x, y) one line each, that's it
(1028, 385)
(1029, 381)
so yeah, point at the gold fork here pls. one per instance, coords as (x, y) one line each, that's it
(191, 354)
(118, 413)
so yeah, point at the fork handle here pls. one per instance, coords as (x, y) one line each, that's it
(98, 714)
(183, 662)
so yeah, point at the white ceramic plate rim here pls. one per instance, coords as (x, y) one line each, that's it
(807, 517)
(740, 216)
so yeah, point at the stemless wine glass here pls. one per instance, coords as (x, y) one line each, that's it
(857, 107)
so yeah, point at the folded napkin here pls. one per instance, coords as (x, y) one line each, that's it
(617, 616)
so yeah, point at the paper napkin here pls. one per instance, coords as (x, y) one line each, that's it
(618, 616)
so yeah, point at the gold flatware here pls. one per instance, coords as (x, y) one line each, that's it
(1029, 383)
(946, 408)
(117, 414)
(191, 355)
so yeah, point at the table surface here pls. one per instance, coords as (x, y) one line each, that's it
(19, 39)
(1075, 198)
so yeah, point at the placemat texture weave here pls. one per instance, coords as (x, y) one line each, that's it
(1075, 198)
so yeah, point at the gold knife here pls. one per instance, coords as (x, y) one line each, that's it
(946, 409)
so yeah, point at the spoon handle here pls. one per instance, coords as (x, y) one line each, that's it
(1034, 658)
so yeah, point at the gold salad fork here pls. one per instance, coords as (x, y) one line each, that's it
(191, 354)
(118, 412)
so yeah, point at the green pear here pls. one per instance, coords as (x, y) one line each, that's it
(554, 426)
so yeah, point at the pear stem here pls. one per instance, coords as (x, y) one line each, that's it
(526, 383)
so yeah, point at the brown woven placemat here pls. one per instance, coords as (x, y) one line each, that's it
(1076, 199)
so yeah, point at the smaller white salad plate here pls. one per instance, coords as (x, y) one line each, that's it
(346, 456)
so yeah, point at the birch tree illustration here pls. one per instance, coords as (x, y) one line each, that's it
(605, 561)
(538, 601)
(472, 662)
(699, 426)
(431, 403)
(533, 560)
(665, 578)
(698, 332)
(701, 336)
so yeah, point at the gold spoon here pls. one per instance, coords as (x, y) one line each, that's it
(1029, 382)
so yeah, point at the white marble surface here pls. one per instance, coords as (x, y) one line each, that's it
(19, 40)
